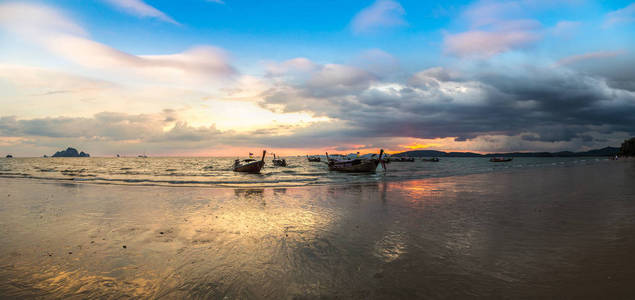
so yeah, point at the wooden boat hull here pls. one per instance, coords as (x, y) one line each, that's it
(280, 162)
(252, 167)
(404, 159)
(355, 166)
(500, 160)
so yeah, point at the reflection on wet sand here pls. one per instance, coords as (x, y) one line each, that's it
(511, 235)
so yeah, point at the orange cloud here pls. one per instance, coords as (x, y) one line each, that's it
(420, 146)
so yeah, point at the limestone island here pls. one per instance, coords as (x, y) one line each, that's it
(70, 152)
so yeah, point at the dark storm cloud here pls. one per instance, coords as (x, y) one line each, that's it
(616, 69)
(552, 104)
(582, 107)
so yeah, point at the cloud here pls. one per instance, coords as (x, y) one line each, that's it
(486, 44)
(62, 37)
(33, 20)
(484, 13)
(382, 14)
(378, 62)
(141, 9)
(613, 66)
(529, 103)
(340, 77)
(110, 127)
(494, 28)
(587, 56)
(621, 16)
(565, 28)
(217, 1)
(529, 108)
(294, 66)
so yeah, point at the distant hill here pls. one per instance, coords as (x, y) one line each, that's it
(608, 151)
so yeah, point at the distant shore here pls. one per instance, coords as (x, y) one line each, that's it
(541, 233)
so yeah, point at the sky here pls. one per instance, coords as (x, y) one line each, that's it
(212, 77)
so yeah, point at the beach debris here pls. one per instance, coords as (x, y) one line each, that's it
(124, 246)
(70, 252)
(161, 232)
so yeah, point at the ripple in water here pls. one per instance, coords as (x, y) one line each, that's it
(197, 171)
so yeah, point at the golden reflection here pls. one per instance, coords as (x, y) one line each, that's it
(227, 238)
(425, 190)
(81, 282)
(239, 218)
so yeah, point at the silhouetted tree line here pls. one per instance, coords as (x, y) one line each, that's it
(628, 148)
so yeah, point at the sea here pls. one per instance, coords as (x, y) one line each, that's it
(217, 171)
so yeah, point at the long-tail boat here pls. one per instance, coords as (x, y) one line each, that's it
(434, 159)
(313, 158)
(279, 162)
(403, 159)
(356, 164)
(500, 159)
(249, 165)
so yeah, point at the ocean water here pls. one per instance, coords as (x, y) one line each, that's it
(217, 171)
(541, 233)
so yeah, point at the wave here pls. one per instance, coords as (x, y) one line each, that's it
(202, 172)
(161, 182)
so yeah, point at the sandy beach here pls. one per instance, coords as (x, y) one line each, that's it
(561, 232)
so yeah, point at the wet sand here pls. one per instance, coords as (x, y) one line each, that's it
(562, 232)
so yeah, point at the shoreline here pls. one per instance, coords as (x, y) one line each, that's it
(548, 232)
(234, 185)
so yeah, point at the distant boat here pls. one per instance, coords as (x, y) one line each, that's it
(249, 165)
(403, 159)
(313, 158)
(279, 162)
(9, 156)
(500, 159)
(434, 159)
(356, 164)
(142, 156)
